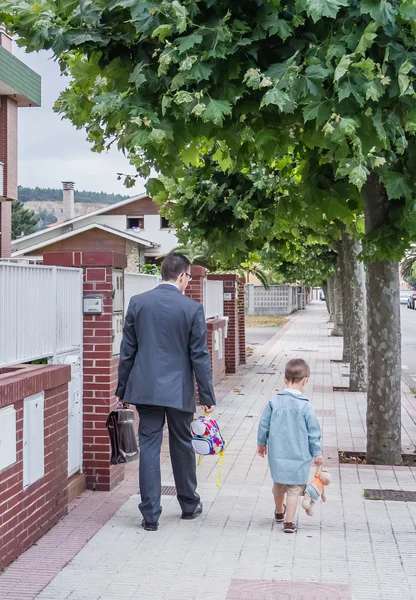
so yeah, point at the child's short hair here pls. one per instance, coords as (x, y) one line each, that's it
(296, 370)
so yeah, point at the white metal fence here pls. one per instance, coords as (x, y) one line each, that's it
(137, 284)
(40, 312)
(213, 298)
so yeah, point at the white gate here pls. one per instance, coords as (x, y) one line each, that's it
(41, 317)
(213, 298)
(40, 312)
(137, 284)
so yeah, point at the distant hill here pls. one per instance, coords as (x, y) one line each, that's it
(55, 195)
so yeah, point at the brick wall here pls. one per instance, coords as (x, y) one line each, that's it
(232, 348)
(26, 514)
(217, 352)
(8, 156)
(99, 365)
(8, 145)
(5, 229)
(242, 321)
(195, 288)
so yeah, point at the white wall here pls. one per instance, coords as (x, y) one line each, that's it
(152, 232)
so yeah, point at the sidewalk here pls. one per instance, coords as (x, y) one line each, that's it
(353, 548)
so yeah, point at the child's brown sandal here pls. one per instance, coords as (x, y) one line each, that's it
(280, 517)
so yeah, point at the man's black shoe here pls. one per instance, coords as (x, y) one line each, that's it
(193, 515)
(150, 526)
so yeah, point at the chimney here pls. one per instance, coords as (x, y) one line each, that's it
(68, 207)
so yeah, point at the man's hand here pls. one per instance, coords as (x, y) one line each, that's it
(262, 451)
(208, 409)
(318, 461)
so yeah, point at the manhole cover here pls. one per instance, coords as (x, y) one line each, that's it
(323, 412)
(340, 389)
(396, 495)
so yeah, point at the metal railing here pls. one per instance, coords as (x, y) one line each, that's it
(40, 312)
(213, 298)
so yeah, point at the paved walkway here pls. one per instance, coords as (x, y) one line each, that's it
(353, 548)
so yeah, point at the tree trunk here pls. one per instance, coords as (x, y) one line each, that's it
(337, 295)
(356, 309)
(331, 298)
(384, 339)
(346, 296)
(326, 294)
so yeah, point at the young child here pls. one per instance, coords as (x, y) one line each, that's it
(290, 434)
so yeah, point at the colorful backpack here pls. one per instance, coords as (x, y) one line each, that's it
(207, 439)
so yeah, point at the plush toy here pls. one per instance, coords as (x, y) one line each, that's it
(315, 490)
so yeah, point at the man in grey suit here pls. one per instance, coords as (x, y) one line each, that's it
(163, 350)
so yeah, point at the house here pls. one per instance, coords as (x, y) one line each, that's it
(19, 86)
(133, 227)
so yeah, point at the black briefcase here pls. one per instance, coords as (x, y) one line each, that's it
(120, 425)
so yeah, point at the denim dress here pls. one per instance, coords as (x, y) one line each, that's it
(291, 431)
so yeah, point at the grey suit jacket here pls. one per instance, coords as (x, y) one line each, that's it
(163, 348)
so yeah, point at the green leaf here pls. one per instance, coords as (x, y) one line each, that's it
(137, 77)
(162, 32)
(381, 11)
(311, 81)
(347, 89)
(188, 42)
(191, 154)
(276, 97)
(404, 80)
(342, 67)
(318, 110)
(374, 90)
(396, 185)
(180, 14)
(200, 71)
(355, 170)
(223, 158)
(274, 26)
(317, 9)
(367, 39)
(216, 111)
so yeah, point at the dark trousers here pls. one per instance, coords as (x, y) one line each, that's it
(152, 420)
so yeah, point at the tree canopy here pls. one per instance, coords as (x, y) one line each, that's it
(24, 221)
(330, 82)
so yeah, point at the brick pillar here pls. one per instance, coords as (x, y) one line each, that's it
(8, 156)
(232, 349)
(241, 320)
(99, 363)
(195, 288)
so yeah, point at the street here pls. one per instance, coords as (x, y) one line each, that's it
(408, 327)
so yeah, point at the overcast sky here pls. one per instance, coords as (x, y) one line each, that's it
(52, 150)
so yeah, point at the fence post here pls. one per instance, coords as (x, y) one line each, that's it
(100, 363)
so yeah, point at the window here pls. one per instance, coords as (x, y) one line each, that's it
(164, 223)
(135, 222)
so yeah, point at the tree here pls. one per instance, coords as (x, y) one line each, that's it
(24, 221)
(331, 83)
(407, 268)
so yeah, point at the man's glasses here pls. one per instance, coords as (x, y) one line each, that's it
(189, 276)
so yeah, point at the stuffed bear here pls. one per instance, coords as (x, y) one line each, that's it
(315, 490)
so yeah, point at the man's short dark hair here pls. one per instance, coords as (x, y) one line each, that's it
(296, 370)
(174, 265)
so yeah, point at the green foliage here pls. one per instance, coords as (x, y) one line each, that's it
(150, 269)
(55, 195)
(24, 221)
(328, 82)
